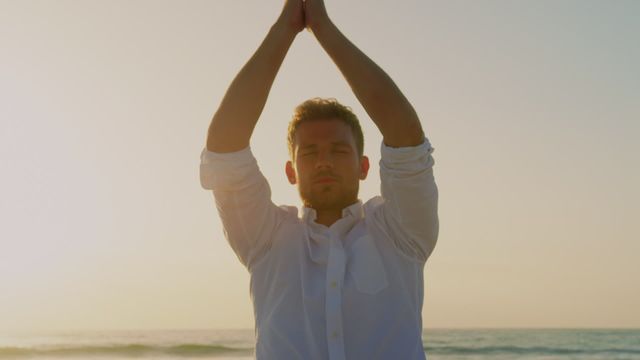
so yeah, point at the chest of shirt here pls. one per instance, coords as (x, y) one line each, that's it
(305, 267)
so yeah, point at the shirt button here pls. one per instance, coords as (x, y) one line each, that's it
(334, 334)
(334, 284)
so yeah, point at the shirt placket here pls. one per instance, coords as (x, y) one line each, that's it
(336, 263)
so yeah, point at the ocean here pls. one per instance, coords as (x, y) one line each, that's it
(439, 344)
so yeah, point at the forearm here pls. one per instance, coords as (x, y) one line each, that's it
(240, 109)
(381, 98)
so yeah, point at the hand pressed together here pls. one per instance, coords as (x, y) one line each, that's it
(298, 14)
(293, 15)
(315, 14)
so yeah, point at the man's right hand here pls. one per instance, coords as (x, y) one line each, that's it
(292, 15)
(236, 117)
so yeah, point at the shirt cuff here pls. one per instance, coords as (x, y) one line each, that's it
(225, 171)
(409, 158)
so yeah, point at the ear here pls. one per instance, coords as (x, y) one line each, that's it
(364, 167)
(291, 173)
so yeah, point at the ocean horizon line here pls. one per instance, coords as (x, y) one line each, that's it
(197, 329)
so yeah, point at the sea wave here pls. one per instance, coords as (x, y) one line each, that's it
(187, 350)
(525, 350)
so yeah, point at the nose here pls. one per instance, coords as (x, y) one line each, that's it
(324, 161)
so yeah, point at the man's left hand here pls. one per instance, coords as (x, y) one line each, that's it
(315, 14)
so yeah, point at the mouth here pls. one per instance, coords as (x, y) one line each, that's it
(325, 180)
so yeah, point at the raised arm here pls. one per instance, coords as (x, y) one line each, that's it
(384, 102)
(409, 212)
(235, 119)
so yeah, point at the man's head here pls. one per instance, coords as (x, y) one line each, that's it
(326, 146)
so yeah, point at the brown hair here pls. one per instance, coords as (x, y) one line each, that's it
(323, 109)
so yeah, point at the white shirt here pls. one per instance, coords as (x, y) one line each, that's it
(353, 290)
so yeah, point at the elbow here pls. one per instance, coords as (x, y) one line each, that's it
(432, 239)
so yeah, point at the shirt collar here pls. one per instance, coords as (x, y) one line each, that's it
(309, 215)
(317, 234)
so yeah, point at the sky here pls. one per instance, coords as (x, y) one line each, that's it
(531, 106)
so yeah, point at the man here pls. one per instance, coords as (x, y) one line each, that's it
(345, 279)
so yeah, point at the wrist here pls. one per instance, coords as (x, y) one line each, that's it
(286, 28)
(321, 26)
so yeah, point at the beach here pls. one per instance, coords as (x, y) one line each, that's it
(439, 344)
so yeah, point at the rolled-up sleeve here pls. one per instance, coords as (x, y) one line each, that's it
(243, 199)
(410, 196)
(228, 171)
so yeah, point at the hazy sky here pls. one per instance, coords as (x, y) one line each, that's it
(532, 107)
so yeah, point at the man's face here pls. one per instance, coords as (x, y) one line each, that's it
(326, 165)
